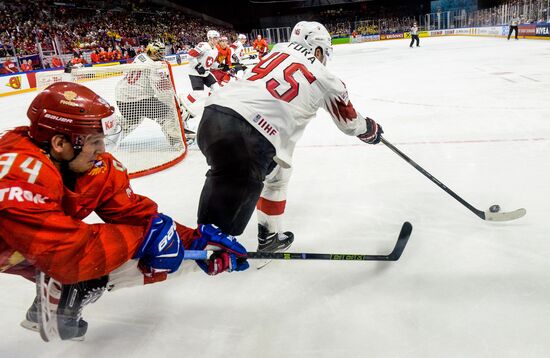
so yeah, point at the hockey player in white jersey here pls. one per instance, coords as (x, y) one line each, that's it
(249, 129)
(148, 93)
(201, 59)
(237, 49)
(237, 55)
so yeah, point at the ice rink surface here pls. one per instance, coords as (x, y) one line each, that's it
(475, 113)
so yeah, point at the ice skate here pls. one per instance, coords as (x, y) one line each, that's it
(272, 242)
(30, 322)
(190, 136)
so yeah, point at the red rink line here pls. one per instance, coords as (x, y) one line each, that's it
(436, 142)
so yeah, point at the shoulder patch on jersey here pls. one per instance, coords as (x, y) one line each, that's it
(99, 167)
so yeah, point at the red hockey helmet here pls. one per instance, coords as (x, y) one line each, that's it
(70, 109)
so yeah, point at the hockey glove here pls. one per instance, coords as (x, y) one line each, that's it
(161, 249)
(225, 67)
(373, 135)
(230, 255)
(200, 69)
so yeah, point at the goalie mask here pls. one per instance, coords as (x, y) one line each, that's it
(155, 50)
(311, 35)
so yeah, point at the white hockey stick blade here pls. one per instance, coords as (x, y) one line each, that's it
(505, 216)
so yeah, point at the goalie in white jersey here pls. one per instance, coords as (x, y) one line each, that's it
(148, 93)
(249, 129)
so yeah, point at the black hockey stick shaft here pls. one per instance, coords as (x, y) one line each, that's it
(402, 240)
(479, 213)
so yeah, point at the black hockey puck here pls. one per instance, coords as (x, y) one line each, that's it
(494, 208)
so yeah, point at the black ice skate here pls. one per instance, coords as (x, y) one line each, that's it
(189, 136)
(272, 242)
(31, 322)
(73, 299)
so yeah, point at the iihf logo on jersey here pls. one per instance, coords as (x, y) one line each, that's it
(265, 125)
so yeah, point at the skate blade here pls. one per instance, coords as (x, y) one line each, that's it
(31, 326)
(264, 263)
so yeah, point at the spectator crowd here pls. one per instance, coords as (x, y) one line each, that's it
(121, 29)
(78, 26)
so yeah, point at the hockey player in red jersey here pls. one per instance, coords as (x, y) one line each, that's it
(53, 174)
(260, 45)
(223, 62)
(249, 130)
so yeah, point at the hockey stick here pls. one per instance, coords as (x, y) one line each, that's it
(402, 240)
(484, 215)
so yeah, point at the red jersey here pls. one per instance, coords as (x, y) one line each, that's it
(9, 67)
(26, 67)
(224, 55)
(40, 218)
(260, 46)
(103, 56)
(56, 62)
(77, 61)
(94, 57)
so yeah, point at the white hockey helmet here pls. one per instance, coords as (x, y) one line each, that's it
(212, 34)
(156, 50)
(241, 37)
(311, 35)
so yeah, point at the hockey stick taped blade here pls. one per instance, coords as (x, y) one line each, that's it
(507, 216)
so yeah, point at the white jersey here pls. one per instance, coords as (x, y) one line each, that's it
(281, 94)
(149, 81)
(202, 54)
(237, 51)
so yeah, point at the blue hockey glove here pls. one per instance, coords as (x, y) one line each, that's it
(230, 255)
(161, 249)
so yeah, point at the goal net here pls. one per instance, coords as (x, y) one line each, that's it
(144, 98)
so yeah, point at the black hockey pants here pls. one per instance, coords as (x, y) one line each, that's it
(240, 158)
